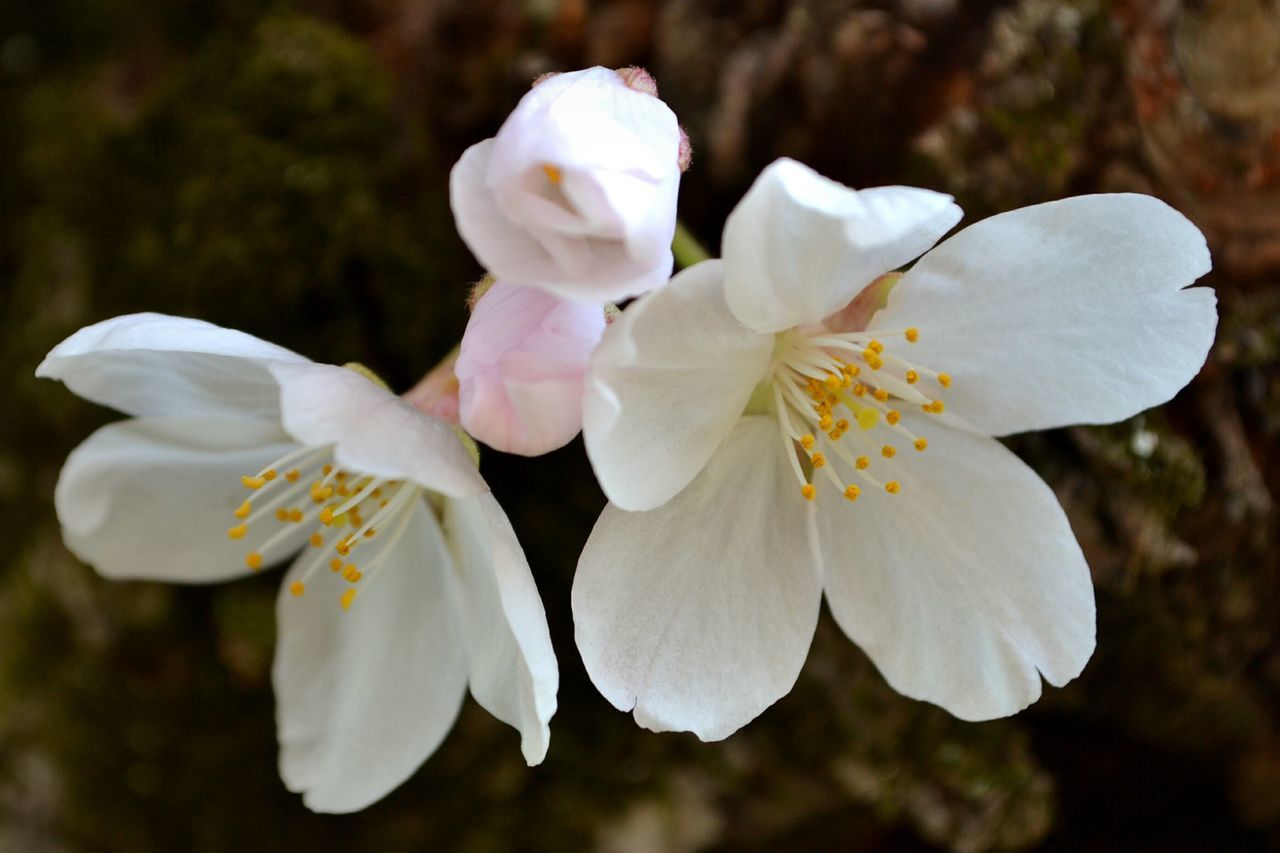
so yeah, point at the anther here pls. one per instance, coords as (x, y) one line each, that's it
(888, 451)
(317, 541)
(808, 491)
(863, 463)
(335, 565)
(912, 377)
(892, 487)
(253, 560)
(934, 408)
(292, 475)
(893, 416)
(347, 597)
(253, 482)
(881, 395)
(852, 492)
(806, 441)
(825, 422)
(326, 516)
(876, 347)
(921, 444)
(818, 460)
(282, 514)
(297, 588)
(352, 574)
(269, 474)
(553, 174)
(832, 382)
(913, 334)
(244, 510)
(944, 379)
(859, 390)
(237, 532)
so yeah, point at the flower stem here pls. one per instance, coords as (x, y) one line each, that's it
(686, 248)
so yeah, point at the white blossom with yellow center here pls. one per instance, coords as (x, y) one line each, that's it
(409, 586)
(795, 420)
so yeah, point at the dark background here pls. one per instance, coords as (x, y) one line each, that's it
(282, 168)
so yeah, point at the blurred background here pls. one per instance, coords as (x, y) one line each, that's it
(282, 168)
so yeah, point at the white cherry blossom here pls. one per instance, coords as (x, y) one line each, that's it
(766, 435)
(576, 194)
(409, 584)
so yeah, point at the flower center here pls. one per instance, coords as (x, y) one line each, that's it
(344, 510)
(840, 395)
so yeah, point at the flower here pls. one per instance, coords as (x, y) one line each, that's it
(577, 192)
(410, 584)
(520, 368)
(766, 436)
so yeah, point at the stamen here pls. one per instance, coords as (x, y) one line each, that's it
(553, 174)
(297, 588)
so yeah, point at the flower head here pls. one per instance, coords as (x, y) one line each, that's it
(409, 583)
(777, 434)
(521, 365)
(577, 192)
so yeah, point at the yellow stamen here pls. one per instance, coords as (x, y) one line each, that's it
(863, 463)
(825, 422)
(553, 174)
(892, 487)
(808, 491)
(295, 515)
(859, 389)
(888, 451)
(296, 589)
(344, 546)
(881, 395)
(921, 444)
(252, 482)
(282, 514)
(326, 516)
(944, 379)
(819, 460)
(352, 574)
(893, 416)
(317, 541)
(253, 560)
(876, 347)
(851, 492)
(806, 441)
(913, 334)
(335, 565)
(327, 469)
(292, 475)
(912, 377)
(238, 531)
(269, 474)
(348, 597)
(934, 408)
(832, 382)
(244, 510)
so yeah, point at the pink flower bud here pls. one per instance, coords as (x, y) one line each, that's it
(576, 194)
(521, 365)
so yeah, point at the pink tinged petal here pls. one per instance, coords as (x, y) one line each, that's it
(521, 366)
(374, 431)
(1068, 312)
(799, 246)
(152, 499)
(157, 365)
(965, 586)
(366, 694)
(513, 666)
(667, 384)
(699, 614)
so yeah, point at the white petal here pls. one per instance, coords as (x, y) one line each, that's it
(1066, 312)
(365, 695)
(667, 383)
(153, 364)
(799, 246)
(513, 666)
(152, 499)
(699, 614)
(965, 583)
(375, 432)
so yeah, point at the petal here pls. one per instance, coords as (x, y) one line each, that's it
(799, 246)
(373, 430)
(1066, 312)
(965, 583)
(513, 666)
(521, 366)
(699, 614)
(365, 695)
(153, 364)
(667, 383)
(152, 499)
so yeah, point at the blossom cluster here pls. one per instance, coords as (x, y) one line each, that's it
(799, 419)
